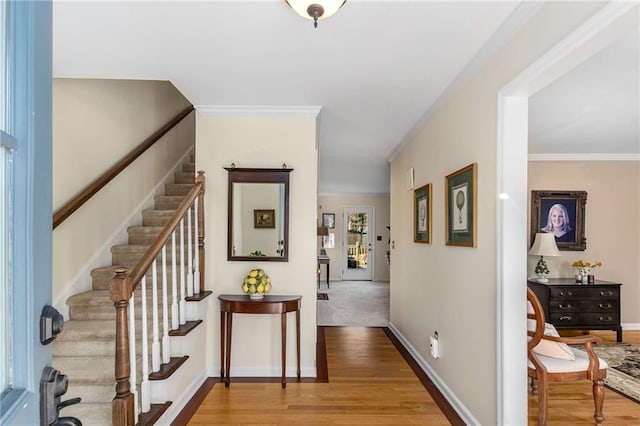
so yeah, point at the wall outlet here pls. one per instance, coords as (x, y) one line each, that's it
(434, 345)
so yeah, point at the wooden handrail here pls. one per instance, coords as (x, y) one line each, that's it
(90, 190)
(141, 268)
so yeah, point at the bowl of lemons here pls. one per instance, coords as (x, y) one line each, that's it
(256, 284)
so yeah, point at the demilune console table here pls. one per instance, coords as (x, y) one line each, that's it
(241, 304)
(570, 305)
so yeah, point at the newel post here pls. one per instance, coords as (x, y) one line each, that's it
(122, 405)
(201, 179)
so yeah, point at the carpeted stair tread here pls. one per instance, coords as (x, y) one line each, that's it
(91, 414)
(181, 189)
(101, 276)
(87, 369)
(189, 167)
(167, 202)
(91, 330)
(157, 217)
(184, 177)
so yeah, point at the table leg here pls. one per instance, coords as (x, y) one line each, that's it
(327, 275)
(619, 334)
(283, 320)
(222, 338)
(298, 339)
(228, 351)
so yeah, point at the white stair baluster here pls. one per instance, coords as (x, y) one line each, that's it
(166, 349)
(133, 374)
(183, 303)
(189, 255)
(155, 344)
(174, 283)
(145, 386)
(196, 257)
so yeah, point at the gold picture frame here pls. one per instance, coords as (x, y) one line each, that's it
(264, 219)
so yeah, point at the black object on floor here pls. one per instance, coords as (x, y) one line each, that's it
(323, 296)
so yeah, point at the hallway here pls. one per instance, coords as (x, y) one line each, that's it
(369, 383)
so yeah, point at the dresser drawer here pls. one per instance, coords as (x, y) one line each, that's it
(586, 292)
(566, 319)
(583, 305)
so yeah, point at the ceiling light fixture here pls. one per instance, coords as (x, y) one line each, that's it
(315, 9)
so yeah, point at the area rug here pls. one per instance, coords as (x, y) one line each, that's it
(323, 296)
(623, 374)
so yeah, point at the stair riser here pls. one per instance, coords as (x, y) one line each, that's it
(189, 167)
(162, 203)
(105, 313)
(184, 177)
(173, 189)
(90, 393)
(148, 238)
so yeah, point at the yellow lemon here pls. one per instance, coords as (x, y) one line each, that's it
(267, 288)
(245, 288)
(253, 273)
(260, 288)
(251, 280)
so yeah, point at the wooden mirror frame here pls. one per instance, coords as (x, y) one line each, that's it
(246, 175)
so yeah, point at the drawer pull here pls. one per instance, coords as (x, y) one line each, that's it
(566, 318)
(567, 293)
(606, 293)
(605, 306)
(607, 318)
(567, 306)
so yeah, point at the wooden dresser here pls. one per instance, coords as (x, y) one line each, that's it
(570, 305)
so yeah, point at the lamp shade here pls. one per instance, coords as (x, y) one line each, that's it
(323, 231)
(544, 245)
(323, 8)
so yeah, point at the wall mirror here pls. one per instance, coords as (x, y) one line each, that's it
(258, 214)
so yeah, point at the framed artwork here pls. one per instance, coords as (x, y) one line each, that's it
(329, 220)
(422, 214)
(562, 213)
(264, 219)
(461, 206)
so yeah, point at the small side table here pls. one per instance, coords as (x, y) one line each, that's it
(241, 304)
(323, 259)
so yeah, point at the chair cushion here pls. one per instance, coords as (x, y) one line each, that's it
(557, 365)
(547, 347)
(553, 349)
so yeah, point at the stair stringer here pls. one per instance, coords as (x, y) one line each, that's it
(82, 281)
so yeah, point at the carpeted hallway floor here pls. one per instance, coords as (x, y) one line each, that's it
(354, 303)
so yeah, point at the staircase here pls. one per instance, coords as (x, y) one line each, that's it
(85, 350)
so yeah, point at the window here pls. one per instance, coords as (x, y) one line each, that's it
(7, 145)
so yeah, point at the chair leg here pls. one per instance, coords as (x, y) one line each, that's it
(543, 391)
(598, 400)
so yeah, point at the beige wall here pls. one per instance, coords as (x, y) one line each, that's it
(95, 123)
(612, 225)
(335, 204)
(453, 289)
(261, 141)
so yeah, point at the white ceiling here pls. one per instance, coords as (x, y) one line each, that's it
(594, 108)
(375, 68)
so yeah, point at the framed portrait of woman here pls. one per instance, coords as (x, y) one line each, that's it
(562, 214)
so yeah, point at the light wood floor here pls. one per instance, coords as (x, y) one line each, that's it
(572, 403)
(370, 384)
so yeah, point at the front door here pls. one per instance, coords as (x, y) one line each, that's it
(357, 243)
(25, 203)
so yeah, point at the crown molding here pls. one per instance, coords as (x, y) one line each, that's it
(584, 157)
(257, 110)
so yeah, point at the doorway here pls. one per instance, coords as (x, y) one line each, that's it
(357, 245)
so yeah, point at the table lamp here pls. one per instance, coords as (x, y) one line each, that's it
(544, 245)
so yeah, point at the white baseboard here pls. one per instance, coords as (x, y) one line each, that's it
(82, 280)
(262, 371)
(457, 405)
(177, 406)
(630, 326)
